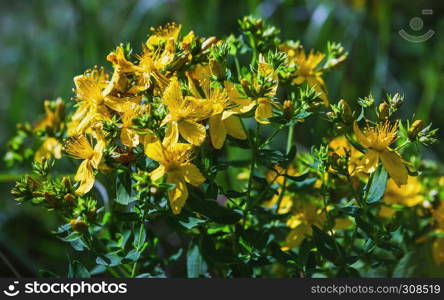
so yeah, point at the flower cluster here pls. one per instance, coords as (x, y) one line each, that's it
(183, 121)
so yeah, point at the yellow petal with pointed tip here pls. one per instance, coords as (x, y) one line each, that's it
(394, 165)
(171, 134)
(263, 111)
(85, 175)
(234, 128)
(192, 175)
(178, 196)
(192, 131)
(218, 133)
(155, 151)
(157, 173)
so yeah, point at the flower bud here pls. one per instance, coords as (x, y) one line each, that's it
(67, 183)
(216, 69)
(288, 109)
(78, 225)
(347, 113)
(383, 110)
(70, 199)
(415, 128)
(208, 42)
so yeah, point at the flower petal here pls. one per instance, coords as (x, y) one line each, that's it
(85, 175)
(362, 139)
(234, 128)
(155, 151)
(192, 131)
(192, 175)
(218, 133)
(179, 194)
(263, 111)
(394, 165)
(157, 173)
(438, 250)
(171, 134)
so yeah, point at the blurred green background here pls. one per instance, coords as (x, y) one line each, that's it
(44, 43)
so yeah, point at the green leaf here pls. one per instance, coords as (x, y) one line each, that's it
(211, 209)
(77, 270)
(327, 246)
(196, 265)
(133, 255)
(48, 274)
(351, 210)
(378, 185)
(123, 188)
(190, 222)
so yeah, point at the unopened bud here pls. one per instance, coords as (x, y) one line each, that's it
(79, 225)
(288, 109)
(246, 86)
(216, 69)
(70, 199)
(397, 100)
(347, 113)
(415, 128)
(208, 42)
(383, 111)
(67, 183)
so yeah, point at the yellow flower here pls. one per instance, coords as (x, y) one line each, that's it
(184, 115)
(175, 164)
(340, 145)
(438, 244)
(409, 195)
(158, 52)
(225, 103)
(93, 103)
(438, 250)
(306, 69)
(377, 140)
(79, 147)
(264, 108)
(306, 216)
(287, 200)
(54, 117)
(50, 148)
(128, 135)
(163, 33)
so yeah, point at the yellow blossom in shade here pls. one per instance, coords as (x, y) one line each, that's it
(408, 195)
(287, 200)
(377, 140)
(53, 117)
(340, 145)
(184, 115)
(80, 148)
(175, 164)
(306, 65)
(93, 103)
(438, 250)
(438, 215)
(50, 148)
(306, 216)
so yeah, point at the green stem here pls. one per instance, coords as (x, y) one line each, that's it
(290, 142)
(112, 272)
